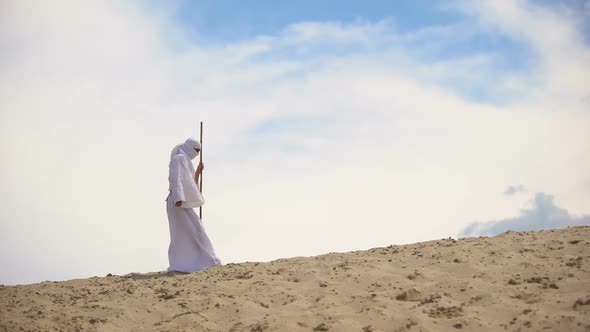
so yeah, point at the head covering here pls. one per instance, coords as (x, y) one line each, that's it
(187, 148)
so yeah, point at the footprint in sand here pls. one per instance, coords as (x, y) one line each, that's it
(581, 302)
(411, 294)
(321, 327)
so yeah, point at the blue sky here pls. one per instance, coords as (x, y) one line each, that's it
(227, 21)
(329, 126)
(231, 20)
(222, 22)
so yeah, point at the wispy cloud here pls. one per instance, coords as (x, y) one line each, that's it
(556, 34)
(511, 190)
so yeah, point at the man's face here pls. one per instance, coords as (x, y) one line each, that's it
(198, 150)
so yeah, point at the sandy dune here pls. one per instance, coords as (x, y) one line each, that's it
(530, 281)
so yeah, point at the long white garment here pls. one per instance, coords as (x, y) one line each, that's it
(190, 248)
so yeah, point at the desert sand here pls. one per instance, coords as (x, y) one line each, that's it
(530, 281)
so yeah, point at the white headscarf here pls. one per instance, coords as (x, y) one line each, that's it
(187, 148)
(182, 182)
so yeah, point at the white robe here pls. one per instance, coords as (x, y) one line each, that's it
(190, 248)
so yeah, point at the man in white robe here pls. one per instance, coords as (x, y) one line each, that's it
(190, 248)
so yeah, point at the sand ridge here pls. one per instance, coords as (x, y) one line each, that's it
(531, 281)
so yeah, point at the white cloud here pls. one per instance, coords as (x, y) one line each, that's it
(544, 214)
(556, 36)
(93, 96)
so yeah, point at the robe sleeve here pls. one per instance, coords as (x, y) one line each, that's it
(182, 183)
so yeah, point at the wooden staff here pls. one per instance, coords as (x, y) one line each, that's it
(201, 179)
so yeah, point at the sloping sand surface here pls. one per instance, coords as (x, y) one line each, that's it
(531, 281)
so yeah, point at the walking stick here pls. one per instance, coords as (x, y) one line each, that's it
(201, 180)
